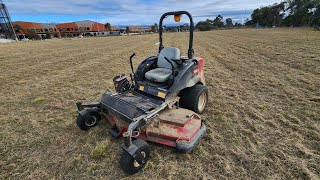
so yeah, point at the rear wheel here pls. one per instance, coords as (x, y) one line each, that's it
(194, 98)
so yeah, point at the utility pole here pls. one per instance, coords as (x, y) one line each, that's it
(244, 18)
(6, 18)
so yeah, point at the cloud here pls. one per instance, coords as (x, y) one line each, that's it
(134, 11)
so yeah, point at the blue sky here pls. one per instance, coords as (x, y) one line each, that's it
(128, 12)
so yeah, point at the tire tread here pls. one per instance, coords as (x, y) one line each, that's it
(190, 96)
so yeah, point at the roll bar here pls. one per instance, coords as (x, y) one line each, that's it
(190, 50)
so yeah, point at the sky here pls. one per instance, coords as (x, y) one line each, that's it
(128, 12)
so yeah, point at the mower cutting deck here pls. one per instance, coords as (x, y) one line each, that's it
(176, 127)
(161, 104)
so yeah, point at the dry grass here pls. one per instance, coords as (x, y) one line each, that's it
(263, 114)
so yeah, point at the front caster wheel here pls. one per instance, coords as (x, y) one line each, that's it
(132, 163)
(88, 118)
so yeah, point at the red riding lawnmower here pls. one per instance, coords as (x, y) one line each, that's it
(160, 104)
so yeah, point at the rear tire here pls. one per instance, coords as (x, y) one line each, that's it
(194, 98)
(129, 164)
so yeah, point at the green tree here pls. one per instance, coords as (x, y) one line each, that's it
(316, 16)
(206, 25)
(302, 12)
(107, 26)
(229, 23)
(290, 13)
(48, 35)
(33, 35)
(184, 27)
(268, 16)
(154, 28)
(238, 24)
(217, 22)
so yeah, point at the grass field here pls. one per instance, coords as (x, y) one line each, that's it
(263, 115)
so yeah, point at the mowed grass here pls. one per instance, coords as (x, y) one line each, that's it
(263, 113)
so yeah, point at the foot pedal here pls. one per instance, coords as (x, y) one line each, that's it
(114, 132)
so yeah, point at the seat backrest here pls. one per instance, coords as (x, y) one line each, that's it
(170, 53)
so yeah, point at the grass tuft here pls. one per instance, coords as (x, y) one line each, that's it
(39, 100)
(100, 149)
(78, 157)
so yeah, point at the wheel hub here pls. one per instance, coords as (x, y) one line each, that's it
(202, 101)
(135, 163)
(91, 122)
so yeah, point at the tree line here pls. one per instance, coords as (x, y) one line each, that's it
(288, 13)
(217, 23)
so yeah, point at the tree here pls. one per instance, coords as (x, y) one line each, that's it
(302, 12)
(48, 36)
(107, 26)
(32, 35)
(217, 22)
(205, 25)
(294, 13)
(268, 16)
(184, 27)
(316, 16)
(173, 28)
(238, 25)
(154, 28)
(314, 13)
(229, 22)
(249, 22)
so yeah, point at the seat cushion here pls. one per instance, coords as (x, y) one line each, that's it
(158, 74)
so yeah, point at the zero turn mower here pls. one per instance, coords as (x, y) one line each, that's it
(160, 104)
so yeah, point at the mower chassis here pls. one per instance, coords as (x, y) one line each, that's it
(144, 112)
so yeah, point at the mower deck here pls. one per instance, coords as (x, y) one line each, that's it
(176, 127)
